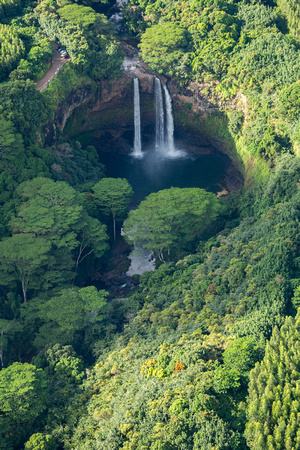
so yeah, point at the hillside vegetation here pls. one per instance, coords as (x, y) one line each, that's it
(204, 351)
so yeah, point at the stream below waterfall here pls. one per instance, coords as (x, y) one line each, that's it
(157, 170)
(155, 160)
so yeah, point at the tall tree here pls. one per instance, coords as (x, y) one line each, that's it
(20, 258)
(112, 196)
(171, 217)
(50, 210)
(92, 239)
(54, 212)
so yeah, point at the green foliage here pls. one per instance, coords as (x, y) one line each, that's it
(257, 17)
(65, 373)
(23, 397)
(239, 358)
(291, 10)
(22, 257)
(10, 8)
(215, 37)
(214, 433)
(87, 37)
(63, 84)
(112, 196)
(49, 210)
(290, 101)
(236, 118)
(79, 310)
(296, 297)
(170, 217)
(52, 226)
(164, 47)
(273, 392)
(79, 167)
(11, 50)
(242, 354)
(271, 56)
(22, 104)
(243, 45)
(36, 58)
(17, 164)
(85, 17)
(282, 184)
(82, 319)
(172, 409)
(39, 441)
(176, 373)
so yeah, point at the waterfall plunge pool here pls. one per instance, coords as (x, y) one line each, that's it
(155, 171)
(151, 158)
(161, 162)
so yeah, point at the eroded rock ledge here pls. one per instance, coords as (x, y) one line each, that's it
(109, 108)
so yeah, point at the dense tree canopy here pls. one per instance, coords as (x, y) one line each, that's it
(23, 396)
(23, 105)
(171, 218)
(11, 50)
(81, 311)
(22, 256)
(87, 36)
(164, 46)
(50, 227)
(201, 353)
(273, 408)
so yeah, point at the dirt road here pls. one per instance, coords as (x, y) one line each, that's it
(57, 62)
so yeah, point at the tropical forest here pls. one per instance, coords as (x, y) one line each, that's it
(149, 224)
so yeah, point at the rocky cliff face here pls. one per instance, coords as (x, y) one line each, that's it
(109, 108)
(77, 99)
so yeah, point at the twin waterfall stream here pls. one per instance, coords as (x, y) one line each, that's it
(137, 152)
(164, 123)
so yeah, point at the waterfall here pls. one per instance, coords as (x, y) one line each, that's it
(170, 124)
(164, 123)
(159, 116)
(137, 150)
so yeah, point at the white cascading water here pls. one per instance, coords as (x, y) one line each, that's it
(137, 146)
(117, 17)
(170, 124)
(159, 116)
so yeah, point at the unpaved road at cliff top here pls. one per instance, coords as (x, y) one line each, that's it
(57, 62)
